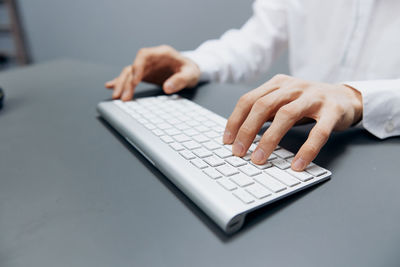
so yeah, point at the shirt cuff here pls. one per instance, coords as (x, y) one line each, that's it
(381, 106)
(205, 64)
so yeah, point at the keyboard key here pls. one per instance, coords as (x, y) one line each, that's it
(263, 166)
(214, 161)
(211, 145)
(164, 126)
(200, 118)
(182, 126)
(202, 152)
(229, 147)
(236, 161)
(181, 138)
(272, 157)
(150, 126)
(142, 121)
(158, 132)
(156, 120)
(283, 153)
(252, 147)
(223, 153)
(227, 184)
(315, 170)
(200, 138)
(202, 128)
(219, 140)
(173, 121)
(282, 176)
(187, 154)
(290, 160)
(269, 182)
(280, 163)
(245, 197)
(191, 145)
(166, 139)
(247, 157)
(218, 129)
(177, 146)
(258, 191)
(190, 132)
(199, 163)
(212, 173)
(172, 131)
(209, 124)
(227, 170)
(184, 118)
(242, 180)
(302, 176)
(250, 170)
(212, 134)
(192, 123)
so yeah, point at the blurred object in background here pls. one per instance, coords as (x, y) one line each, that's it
(12, 28)
(1, 98)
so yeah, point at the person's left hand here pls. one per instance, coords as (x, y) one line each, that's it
(287, 100)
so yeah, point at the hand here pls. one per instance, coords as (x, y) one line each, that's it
(160, 65)
(286, 100)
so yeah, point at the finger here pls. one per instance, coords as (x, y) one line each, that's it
(119, 86)
(110, 84)
(128, 88)
(284, 119)
(138, 67)
(178, 81)
(135, 77)
(244, 105)
(261, 111)
(317, 138)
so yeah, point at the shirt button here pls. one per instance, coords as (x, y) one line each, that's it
(389, 126)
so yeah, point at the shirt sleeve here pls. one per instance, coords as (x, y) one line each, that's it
(243, 54)
(381, 106)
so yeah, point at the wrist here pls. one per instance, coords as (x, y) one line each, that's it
(357, 103)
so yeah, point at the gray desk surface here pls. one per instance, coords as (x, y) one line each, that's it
(73, 193)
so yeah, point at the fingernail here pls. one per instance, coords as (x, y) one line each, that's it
(238, 148)
(227, 136)
(299, 164)
(169, 86)
(259, 155)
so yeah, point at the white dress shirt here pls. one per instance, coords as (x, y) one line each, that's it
(356, 42)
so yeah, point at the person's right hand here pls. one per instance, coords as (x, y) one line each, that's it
(161, 65)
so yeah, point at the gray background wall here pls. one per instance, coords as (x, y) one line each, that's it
(112, 31)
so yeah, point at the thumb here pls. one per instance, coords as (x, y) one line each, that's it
(177, 82)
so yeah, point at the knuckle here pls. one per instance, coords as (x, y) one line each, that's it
(322, 133)
(233, 122)
(269, 138)
(246, 131)
(261, 104)
(245, 100)
(280, 77)
(311, 149)
(288, 111)
(127, 69)
(340, 110)
(143, 51)
(165, 48)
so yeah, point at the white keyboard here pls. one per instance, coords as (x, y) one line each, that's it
(184, 141)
